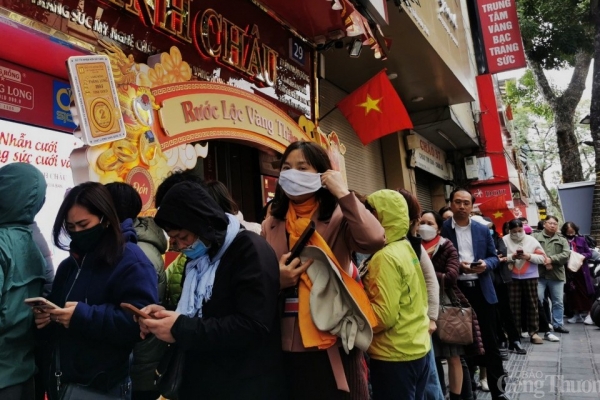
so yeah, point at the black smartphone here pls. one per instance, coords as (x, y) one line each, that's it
(302, 241)
(475, 264)
(519, 252)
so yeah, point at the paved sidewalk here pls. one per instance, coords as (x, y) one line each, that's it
(567, 370)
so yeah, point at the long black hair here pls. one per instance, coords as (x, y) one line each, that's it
(568, 225)
(95, 198)
(317, 158)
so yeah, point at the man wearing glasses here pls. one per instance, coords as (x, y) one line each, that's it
(478, 257)
(552, 272)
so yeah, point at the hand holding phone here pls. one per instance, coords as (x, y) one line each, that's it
(133, 310)
(301, 243)
(520, 252)
(40, 303)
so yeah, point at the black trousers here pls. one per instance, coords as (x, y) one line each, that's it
(505, 323)
(486, 315)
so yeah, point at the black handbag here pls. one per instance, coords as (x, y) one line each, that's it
(75, 391)
(170, 372)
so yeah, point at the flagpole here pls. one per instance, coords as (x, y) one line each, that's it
(327, 113)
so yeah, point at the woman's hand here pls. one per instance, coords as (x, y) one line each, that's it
(432, 326)
(334, 182)
(150, 310)
(289, 275)
(41, 318)
(160, 325)
(63, 315)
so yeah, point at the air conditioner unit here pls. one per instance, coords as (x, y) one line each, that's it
(471, 167)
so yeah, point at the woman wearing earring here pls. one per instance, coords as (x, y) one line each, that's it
(309, 190)
(92, 336)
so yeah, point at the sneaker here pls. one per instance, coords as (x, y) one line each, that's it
(536, 339)
(588, 321)
(576, 319)
(524, 334)
(551, 337)
(484, 385)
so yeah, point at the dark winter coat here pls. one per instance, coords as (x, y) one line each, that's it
(446, 265)
(95, 349)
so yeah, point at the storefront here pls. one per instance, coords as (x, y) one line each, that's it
(220, 89)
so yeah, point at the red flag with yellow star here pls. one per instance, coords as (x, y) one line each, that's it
(497, 210)
(375, 109)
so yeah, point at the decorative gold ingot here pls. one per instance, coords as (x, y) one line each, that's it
(125, 151)
(108, 161)
(148, 149)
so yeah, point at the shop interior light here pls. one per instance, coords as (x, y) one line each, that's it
(392, 76)
(442, 134)
(585, 120)
(355, 48)
(417, 99)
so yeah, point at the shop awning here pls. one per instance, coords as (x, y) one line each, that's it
(442, 127)
(35, 49)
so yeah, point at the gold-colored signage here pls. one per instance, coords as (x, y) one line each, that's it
(96, 102)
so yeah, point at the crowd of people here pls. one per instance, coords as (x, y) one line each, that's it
(355, 316)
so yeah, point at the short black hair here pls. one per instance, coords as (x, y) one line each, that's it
(568, 225)
(515, 223)
(439, 221)
(462, 190)
(444, 209)
(128, 202)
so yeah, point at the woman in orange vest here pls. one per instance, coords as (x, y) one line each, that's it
(308, 189)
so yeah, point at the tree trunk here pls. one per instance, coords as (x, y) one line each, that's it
(595, 121)
(568, 147)
(564, 107)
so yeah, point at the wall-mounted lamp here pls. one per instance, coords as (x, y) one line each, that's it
(442, 134)
(355, 48)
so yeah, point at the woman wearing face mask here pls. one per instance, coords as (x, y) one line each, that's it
(309, 189)
(226, 320)
(91, 335)
(523, 254)
(444, 257)
(580, 297)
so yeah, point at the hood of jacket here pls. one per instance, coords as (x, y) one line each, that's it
(148, 232)
(27, 188)
(187, 205)
(392, 213)
(128, 231)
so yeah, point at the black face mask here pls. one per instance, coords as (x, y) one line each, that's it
(86, 241)
(570, 237)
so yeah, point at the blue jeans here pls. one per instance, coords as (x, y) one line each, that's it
(393, 380)
(433, 388)
(556, 289)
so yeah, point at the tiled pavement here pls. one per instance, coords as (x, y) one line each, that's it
(567, 370)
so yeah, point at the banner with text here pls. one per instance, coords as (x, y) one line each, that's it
(501, 35)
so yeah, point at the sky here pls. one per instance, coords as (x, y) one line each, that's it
(560, 78)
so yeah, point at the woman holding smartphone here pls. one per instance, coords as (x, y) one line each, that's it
(523, 254)
(309, 190)
(91, 335)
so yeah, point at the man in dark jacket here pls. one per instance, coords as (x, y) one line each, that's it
(478, 258)
(226, 320)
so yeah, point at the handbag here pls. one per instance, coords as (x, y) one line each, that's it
(75, 391)
(575, 261)
(454, 323)
(169, 372)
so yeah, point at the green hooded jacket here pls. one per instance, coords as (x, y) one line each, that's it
(22, 269)
(396, 286)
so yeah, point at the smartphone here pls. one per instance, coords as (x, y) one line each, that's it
(302, 241)
(475, 264)
(135, 311)
(519, 252)
(40, 303)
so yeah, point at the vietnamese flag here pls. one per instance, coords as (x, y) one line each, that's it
(375, 109)
(497, 210)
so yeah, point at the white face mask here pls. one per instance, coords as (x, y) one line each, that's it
(517, 236)
(427, 232)
(297, 183)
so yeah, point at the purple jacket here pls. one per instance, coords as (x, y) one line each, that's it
(582, 248)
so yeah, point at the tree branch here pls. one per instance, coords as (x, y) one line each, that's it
(571, 97)
(552, 198)
(542, 82)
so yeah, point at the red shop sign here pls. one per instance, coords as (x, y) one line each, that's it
(501, 35)
(33, 98)
(484, 193)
